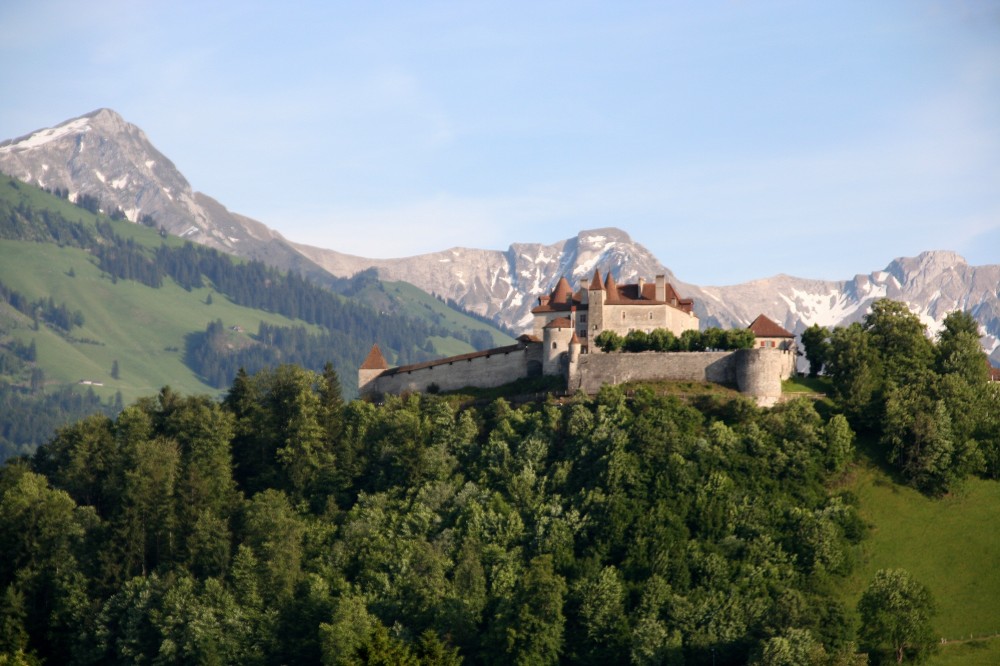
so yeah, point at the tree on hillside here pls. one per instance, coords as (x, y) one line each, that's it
(900, 339)
(854, 367)
(815, 340)
(896, 613)
(959, 350)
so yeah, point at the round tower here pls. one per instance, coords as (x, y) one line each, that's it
(555, 341)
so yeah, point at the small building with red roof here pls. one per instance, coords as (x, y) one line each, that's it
(770, 334)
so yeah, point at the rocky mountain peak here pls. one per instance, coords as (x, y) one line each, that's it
(926, 266)
(102, 155)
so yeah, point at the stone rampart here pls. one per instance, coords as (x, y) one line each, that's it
(756, 372)
(595, 370)
(486, 371)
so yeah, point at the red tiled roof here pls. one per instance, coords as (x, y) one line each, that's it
(611, 287)
(562, 300)
(559, 322)
(553, 307)
(575, 340)
(563, 292)
(763, 327)
(374, 360)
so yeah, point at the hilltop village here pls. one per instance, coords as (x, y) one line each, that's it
(562, 343)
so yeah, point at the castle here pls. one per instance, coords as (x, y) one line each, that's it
(564, 324)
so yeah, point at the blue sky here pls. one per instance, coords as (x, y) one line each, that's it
(735, 140)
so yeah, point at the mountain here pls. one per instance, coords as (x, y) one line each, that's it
(95, 313)
(505, 285)
(100, 155)
(103, 156)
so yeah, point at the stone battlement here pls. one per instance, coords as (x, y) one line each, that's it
(756, 372)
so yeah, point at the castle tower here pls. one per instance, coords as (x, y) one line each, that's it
(369, 371)
(556, 340)
(595, 309)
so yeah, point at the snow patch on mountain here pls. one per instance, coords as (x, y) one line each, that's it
(42, 137)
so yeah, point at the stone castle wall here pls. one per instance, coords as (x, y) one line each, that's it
(756, 372)
(485, 371)
(594, 370)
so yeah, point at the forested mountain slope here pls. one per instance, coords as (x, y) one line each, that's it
(117, 310)
(284, 526)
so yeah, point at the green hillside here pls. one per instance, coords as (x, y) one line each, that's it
(147, 302)
(142, 328)
(949, 544)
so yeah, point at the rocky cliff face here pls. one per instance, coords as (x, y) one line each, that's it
(932, 284)
(101, 155)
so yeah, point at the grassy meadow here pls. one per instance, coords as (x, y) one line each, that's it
(950, 544)
(142, 328)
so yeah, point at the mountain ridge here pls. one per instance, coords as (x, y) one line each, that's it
(502, 285)
(100, 154)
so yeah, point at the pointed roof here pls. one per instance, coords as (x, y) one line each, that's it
(763, 327)
(595, 284)
(612, 288)
(375, 360)
(563, 292)
(575, 340)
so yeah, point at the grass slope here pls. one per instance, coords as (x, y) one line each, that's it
(951, 544)
(408, 300)
(140, 327)
(420, 304)
(144, 329)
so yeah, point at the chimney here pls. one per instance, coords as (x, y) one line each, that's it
(642, 283)
(661, 288)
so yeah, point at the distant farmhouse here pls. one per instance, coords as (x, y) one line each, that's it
(564, 324)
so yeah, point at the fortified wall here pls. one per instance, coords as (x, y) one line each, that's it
(756, 372)
(486, 369)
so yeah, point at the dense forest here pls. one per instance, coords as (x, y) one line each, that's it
(285, 526)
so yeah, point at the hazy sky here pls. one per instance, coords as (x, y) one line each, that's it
(735, 140)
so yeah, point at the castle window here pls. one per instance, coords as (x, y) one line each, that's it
(623, 316)
(554, 346)
(650, 315)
